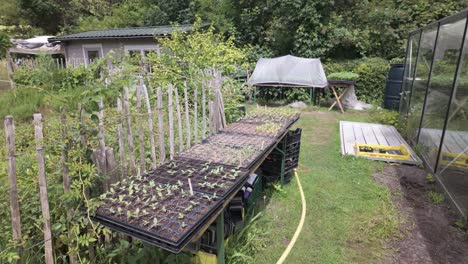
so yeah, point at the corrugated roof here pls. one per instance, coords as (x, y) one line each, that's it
(135, 32)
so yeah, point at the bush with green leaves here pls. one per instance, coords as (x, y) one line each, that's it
(343, 76)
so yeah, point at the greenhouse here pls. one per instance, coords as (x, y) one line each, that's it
(434, 102)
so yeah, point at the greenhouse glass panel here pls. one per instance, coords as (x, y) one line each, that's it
(438, 95)
(418, 93)
(453, 159)
(412, 51)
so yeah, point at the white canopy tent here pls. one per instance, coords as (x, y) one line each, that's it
(290, 71)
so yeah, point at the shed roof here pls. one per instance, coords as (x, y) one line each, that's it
(133, 32)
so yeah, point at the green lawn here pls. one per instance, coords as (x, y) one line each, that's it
(349, 216)
(3, 76)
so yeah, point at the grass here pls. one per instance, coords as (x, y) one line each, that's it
(4, 85)
(349, 216)
(436, 197)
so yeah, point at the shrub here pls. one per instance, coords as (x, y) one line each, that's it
(386, 117)
(349, 76)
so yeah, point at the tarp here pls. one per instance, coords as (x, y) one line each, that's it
(289, 71)
(36, 45)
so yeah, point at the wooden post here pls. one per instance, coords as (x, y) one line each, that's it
(102, 145)
(9, 67)
(14, 203)
(187, 117)
(66, 171)
(123, 163)
(150, 127)
(141, 135)
(195, 114)
(203, 110)
(171, 122)
(128, 123)
(179, 121)
(211, 115)
(49, 257)
(162, 147)
(83, 139)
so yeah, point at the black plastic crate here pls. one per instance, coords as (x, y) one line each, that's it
(294, 136)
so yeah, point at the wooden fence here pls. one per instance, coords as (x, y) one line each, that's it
(183, 117)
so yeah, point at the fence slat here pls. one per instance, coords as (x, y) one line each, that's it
(141, 135)
(203, 110)
(179, 121)
(49, 258)
(14, 203)
(162, 147)
(66, 171)
(171, 122)
(150, 127)
(102, 146)
(128, 123)
(195, 114)
(83, 138)
(123, 163)
(187, 117)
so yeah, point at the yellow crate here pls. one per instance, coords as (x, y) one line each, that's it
(454, 159)
(379, 151)
(202, 257)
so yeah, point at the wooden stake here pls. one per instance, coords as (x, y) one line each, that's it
(14, 203)
(141, 136)
(195, 114)
(203, 111)
(179, 121)
(162, 147)
(123, 163)
(150, 127)
(84, 142)
(128, 123)
(49, 257)
(65, 172)
(102, 146)
(171, 123)
(187, 117)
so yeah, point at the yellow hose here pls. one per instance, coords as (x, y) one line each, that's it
(301, 222)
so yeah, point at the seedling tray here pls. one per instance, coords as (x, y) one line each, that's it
(177, 214)
(223, 154)
(205, 177)
(239, 140)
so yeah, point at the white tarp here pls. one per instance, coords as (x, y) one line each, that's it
(289, 71)
(36, 45)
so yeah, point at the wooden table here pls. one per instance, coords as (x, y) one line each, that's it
(334, 85)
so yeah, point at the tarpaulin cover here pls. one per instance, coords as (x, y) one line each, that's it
(289, 71)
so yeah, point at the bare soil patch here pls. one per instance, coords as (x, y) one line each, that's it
(428, 232)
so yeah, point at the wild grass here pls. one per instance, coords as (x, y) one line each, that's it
(4, 85)
(349, 215)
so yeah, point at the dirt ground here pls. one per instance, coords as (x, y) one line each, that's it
(428, 233)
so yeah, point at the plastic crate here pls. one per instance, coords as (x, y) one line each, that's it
(293, 136)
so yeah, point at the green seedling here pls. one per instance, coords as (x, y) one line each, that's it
(152, 184)
(155, 223)
(190, 207)
(194, 203)
(119, 211)
(164, 209)
(121, 198)
(183, 225)
(137, 212)
(112, 210)
(181, 216)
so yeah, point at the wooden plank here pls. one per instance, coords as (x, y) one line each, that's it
(203, 111)
(141, 136)
(358, 135)
(49, 254)
(179, 121)
(378, 135)
(12, 181)
(150, 127)
(349, 139)
(171, 122)
(369, 135)
(162, 147)
(187, 117)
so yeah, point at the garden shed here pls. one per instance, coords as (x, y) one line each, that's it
(434, 102)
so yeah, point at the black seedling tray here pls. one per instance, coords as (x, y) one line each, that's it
(240, 140)
(170, 229)
(205, 177)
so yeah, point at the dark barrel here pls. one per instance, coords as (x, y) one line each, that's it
(393, 87)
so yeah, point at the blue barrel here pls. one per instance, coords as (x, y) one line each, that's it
(393, 87)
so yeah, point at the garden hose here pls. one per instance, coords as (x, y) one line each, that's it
(301, 222)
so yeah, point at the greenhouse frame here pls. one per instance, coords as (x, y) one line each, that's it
(434, 103)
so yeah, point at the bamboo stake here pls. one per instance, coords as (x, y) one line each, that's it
(141, 136)
(14, 203)
(211, 117)
(150, 127)
(128, 122)
(49, 257)
(162, 147)
(123, 166)
(171, 123)
(203, 111)
(187, 117)
(66, 171)
(195, 114)
(179, 121)
(102, 145)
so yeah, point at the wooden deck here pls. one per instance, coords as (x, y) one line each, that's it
(366, 133)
